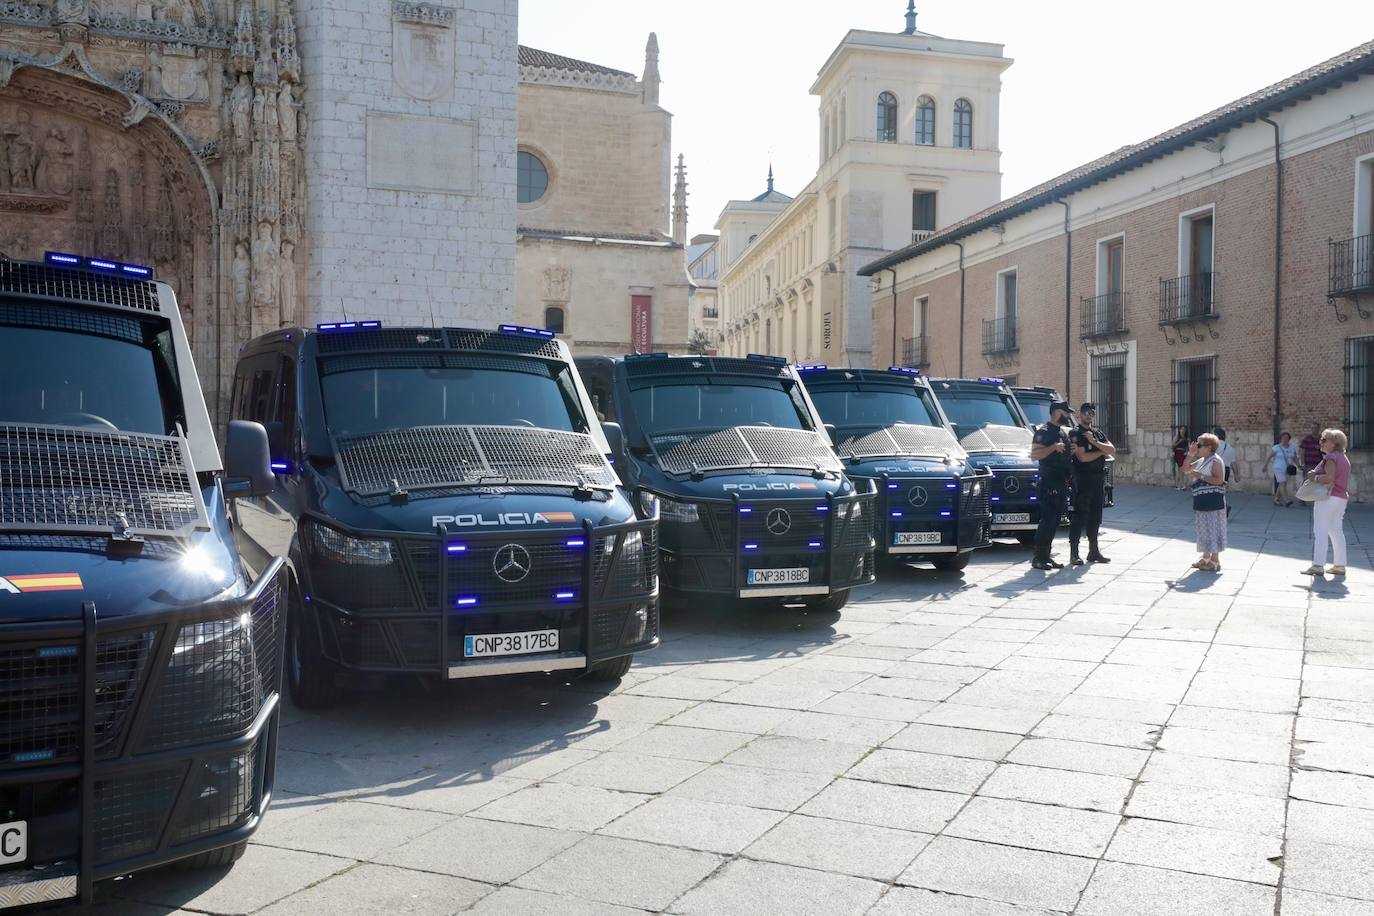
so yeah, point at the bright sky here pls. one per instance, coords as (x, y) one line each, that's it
(1089, 76)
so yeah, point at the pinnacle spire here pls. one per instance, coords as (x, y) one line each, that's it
(910, 18)
(770, 176)
(680, 203)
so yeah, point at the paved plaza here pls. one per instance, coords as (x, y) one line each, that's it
(1132, 738)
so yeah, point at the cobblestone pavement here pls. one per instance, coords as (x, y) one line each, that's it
(1132, 738)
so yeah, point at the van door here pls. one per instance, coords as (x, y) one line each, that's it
(265, 392)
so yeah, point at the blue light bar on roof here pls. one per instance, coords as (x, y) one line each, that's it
(657, 354)
(348, 326)
(819, 367)
(521, 329)
(992, 380)
(904, 370)
(765, 358)
(104, 265)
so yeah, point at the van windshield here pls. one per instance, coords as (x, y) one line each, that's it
(691, 406)
(372, 400)
(67, 378)
(1037, 410)
(854, 410)
(970, 411)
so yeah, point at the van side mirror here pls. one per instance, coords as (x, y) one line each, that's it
(247, 460)
(615, 437)
(832, 432)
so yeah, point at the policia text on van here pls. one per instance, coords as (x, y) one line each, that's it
(139, 664)
(755, 504)
(444, 500)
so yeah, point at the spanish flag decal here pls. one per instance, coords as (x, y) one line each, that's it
(559, 516)
(41, 582)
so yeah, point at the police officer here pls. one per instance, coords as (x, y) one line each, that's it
(1050, 446)
(1091, 449)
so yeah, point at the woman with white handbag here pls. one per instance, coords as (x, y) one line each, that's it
(1328, 489)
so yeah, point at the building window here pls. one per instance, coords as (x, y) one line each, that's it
(1195, 394)
(963, 124)
(925, 121)
(531, 177)
(922, 211)
(553, 319)
(1359, 391)
(887, 118)
(1108, 392)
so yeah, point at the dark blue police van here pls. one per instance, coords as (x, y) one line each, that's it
(754, 502)
(989, 424)
(140, 660)
(889, 428)
(446, 506)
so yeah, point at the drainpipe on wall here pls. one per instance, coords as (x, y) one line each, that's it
(1278, 272)
(893, 271)
(961, 308)
(1068, 298)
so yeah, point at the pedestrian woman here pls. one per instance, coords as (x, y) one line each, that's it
(1208, 473)
(1285, 460)
(1182, 442)
(1328, 515)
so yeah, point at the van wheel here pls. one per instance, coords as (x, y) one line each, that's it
(1025, 538)
(309, 675)
(830, 603)
(952, 561)
(611, 670)
(215, 858)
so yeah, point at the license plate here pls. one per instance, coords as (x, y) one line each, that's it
(485, 644)
(909, 538)
(1011, 518)
(14, 842)
(790, 576)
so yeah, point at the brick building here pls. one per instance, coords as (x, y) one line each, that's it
(1150, 281)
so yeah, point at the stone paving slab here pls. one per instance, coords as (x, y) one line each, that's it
(1132, 738)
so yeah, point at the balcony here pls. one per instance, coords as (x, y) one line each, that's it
(1102, 316)
(1351, 265)
(1192, 297)
(999, 335)
(709, 312)
(920, 235)
(915, 352)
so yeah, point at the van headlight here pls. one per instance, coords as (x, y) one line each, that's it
(338, 547)
(672, 510)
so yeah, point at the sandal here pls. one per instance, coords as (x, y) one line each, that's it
(1337, 570)
(1314, 570)
(1202, 564)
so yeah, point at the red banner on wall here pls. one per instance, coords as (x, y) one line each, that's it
(641, 324)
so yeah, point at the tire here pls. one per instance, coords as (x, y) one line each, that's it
(611, 670)
(831, 603)
(953, 561)
(1025, 538)
(309, 675)
(215, 858)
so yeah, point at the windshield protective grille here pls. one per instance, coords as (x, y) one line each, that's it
(438, 456)
(743, 447)
(903, 439)
(55, 478)
(997, 439)
(77, 285)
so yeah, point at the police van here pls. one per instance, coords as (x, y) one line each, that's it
(446, 506)
(140, 659)
(755, 504)
(991, 427)
(932, 503)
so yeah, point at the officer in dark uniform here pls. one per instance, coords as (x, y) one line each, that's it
(1091, 449)
(1050, 446)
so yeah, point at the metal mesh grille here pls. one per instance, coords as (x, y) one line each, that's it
(791, 526)
(854, 524)
(332, 364)
(635, 571)
(213, 686)
(40, 703)
(358, 574)
(161, 550)
(549, 568)
(424, 562)
(997, 439)
(119, 666)
(608, 623)
(707, 365)
(436, 456)
(418, 641)
(268, 634)
(362, 643)
(81, 321)
(223, 796)
(130, 812)
(384, 339)
(77, 285)
(56, 477)
(903, 439)
(745, 446)
(468, 339)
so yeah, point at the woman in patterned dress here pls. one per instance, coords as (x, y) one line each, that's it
(1209, 501)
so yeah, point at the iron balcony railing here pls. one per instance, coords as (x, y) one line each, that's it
(920, 235)
(1192, 297)
(915, 352)
(999, 335)
(1351, 263)
(1102, 316)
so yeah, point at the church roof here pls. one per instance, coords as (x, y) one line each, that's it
(533, 57)
(1296, 88)
(770, 196)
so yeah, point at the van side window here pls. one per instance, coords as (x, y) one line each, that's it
(598, 382)
(254, 388)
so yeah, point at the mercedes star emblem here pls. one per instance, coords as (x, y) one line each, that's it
(511, 563)
(1011, 484)
(778, 521)
(918, 497)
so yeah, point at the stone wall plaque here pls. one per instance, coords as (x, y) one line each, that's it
(415, 153)
(422, 37)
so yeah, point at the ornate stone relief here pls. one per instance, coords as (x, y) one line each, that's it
(164, 132)
(580, 79)
(557, 283)
(422, 49)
